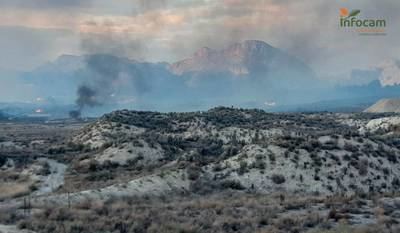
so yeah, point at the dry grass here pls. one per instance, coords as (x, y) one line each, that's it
(12, 190)
(223, 212)
(343, 228)
(14, 185)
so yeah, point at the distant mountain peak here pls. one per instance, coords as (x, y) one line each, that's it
(203, 52)
(255, 44)
(250, 56)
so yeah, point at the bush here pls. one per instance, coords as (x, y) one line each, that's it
(193, 172)
(93, 166)
(278, 179)
(100, 176)
(396, 182)
(57, 150)
(330, 145)
(243, 168)
(232, 184)
(203, 186)
(311, 145)
(362, 167)
(259, 164)
(106, 145)
(3, 161)
(272, 158)
(350, 147)
(45, 170)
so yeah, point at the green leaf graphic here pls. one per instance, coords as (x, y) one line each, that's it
(353, 13)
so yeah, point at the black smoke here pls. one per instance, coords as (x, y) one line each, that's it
(76, 114)
(109, 80)
(86, 97)
(111, 77)
(100, 73)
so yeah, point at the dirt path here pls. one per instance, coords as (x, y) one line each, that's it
(54, 180)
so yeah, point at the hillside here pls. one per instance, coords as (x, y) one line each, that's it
(246, 149)
(385, 105)
(221, 170)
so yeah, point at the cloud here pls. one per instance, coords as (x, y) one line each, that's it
(44, 4)
(26, 48)
(146, 5)
(147, 24)
(390, 72)
(13, 90)
(127, 36)
(173, 29)
(39, 19)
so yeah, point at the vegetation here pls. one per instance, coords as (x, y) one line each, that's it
(222, 212)
(223, 170)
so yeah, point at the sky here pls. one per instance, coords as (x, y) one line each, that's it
(33, 32)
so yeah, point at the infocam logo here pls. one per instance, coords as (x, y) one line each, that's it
(350, 19)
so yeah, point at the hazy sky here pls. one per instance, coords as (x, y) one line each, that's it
(35, 31)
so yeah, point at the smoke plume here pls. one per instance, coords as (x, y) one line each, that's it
(86, 97)
(100, 75)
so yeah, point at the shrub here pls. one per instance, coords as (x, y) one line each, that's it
(311, 145)
(362, 167)
(203, 186)
(330, 145)
(56, 150)
(106, 145)
(396, 182)
(278, 179)
(350, 147)
(217, 167)
(93, 165)
(193, 172)
(100, 176)
(45, 170)
(232, 184)
(242, 168)
(3, 160)
(272, 157)
(259, 164)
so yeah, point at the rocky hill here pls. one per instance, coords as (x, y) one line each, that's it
(385, 105)
(226, 148)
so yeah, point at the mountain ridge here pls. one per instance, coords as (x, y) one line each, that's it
(250, 56)
(385, 105)
(247, 74)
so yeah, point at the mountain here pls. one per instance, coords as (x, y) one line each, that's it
(247, 74)
(248, 58)
(385, 105)
(54, 80)
(120, 81)
(251, 74)
(2, 116)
